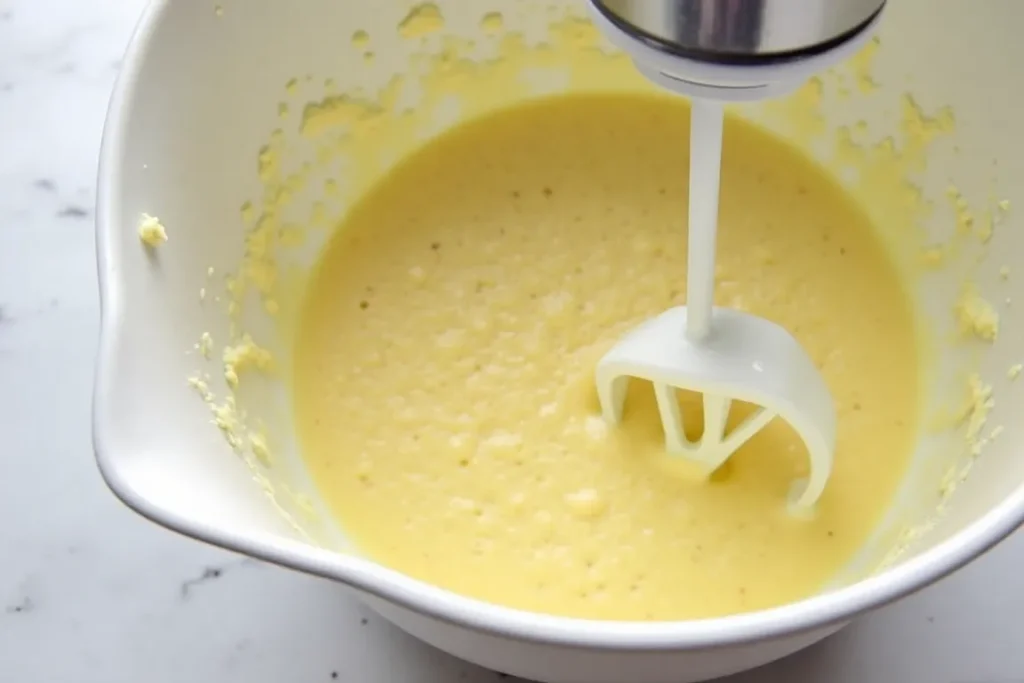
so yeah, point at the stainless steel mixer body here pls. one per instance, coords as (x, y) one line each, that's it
(741, 31)
(736, 50)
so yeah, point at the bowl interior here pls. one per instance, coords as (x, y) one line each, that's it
(193, 123)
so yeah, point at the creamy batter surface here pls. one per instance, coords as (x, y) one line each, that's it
(444, 365)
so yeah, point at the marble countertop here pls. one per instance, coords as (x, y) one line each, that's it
(92, 593)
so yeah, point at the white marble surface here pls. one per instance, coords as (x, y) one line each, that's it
(91, 593)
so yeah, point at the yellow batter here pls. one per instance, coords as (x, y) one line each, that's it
(444, 366)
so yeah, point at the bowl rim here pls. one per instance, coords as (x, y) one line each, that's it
(820, 611)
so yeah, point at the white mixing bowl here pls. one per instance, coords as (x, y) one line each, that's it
(200, 92)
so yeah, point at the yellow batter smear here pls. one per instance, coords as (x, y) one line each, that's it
(979, 405)
(443, 367)
(151, 231)
(975, 315)
(360, 39)
(492, 23)
(205, 345)
(422, 20)
(243, 356)
(861, 64)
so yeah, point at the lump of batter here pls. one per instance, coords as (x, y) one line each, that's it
(151, 231)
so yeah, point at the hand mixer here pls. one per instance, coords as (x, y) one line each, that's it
(717, 51)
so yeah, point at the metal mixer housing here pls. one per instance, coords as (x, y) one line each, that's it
(736, 49)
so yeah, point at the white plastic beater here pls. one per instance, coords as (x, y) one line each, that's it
(723, 354)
